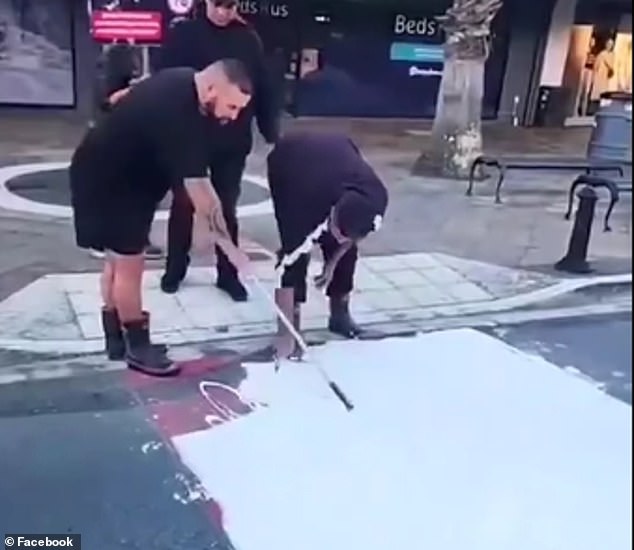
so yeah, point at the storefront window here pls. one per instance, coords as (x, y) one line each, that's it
(36, 60)
(378, 60)
(369, 60)
(599, 61)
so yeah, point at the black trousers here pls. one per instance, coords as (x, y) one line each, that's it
(226, 176)
(342, 283)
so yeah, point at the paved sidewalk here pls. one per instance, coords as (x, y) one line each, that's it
(430, 219)
(59, 313)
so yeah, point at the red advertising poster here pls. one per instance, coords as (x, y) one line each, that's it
(140, 27)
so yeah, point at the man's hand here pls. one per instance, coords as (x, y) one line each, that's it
(208, 209)
(118, 95)
(325, 277)
(236, 256)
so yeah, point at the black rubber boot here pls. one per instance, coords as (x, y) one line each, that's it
(141, 355)
(113, 335)
(341, 322)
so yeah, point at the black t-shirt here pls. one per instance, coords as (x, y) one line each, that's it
(154, 137)
(309, 172)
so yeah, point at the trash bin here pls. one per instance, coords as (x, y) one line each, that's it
(611, 137)
(551, 106)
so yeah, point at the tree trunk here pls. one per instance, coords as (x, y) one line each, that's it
(457, 130)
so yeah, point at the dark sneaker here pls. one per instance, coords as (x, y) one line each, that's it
(234, 288)
(170, 285)
(341, 322)
(344, 326)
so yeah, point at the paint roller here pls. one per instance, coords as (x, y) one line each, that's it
(300, 342)
(215, 224)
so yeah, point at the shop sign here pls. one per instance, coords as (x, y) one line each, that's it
(140, 27)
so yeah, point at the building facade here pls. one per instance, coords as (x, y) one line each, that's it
(352, 58)
(588, 52)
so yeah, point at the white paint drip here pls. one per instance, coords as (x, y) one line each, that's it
(151, 446)
(193, 490)
(456, 442)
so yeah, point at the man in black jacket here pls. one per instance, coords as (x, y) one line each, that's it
(221, 33)
(323, 192)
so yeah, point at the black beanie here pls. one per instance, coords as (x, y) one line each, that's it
(355, 215)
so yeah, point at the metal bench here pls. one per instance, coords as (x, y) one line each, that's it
(504, 164)
(614, 187)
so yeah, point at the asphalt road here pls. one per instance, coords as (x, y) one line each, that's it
(599, 348)
(90, 454)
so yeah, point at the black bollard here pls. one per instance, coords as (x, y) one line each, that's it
(575, 260)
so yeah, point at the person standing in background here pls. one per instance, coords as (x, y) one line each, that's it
(120, 71)
(220, 33)
(586, 79)
(603, 72)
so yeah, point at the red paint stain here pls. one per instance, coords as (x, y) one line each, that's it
(189, 369)
(194, 412)
(178, 418)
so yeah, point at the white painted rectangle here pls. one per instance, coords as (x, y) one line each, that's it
(457, 442)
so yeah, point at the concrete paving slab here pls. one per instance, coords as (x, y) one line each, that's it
(59, 313)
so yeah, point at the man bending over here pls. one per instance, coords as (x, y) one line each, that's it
(324, 192)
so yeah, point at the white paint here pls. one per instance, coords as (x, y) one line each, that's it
(193, 491)
(457, 441)
(558, 42)
(151, 446)
(574, 371)
(13, 202)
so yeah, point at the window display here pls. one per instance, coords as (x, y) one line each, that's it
(36, 62)
(599, 61)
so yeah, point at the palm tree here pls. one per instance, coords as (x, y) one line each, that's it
(457, 130)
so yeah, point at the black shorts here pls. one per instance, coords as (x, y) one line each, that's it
(110, 215)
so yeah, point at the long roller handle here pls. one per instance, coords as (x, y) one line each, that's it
(300, 342)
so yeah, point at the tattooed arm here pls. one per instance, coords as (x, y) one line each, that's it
(208, 212)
